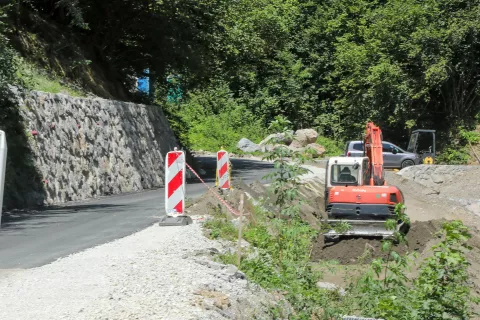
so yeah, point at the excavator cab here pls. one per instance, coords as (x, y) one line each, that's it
(422, 142)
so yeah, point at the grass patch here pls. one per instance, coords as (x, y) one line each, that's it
(255, 153)
(332, 148)
(221, 227)
(34, 78)
(280, 262)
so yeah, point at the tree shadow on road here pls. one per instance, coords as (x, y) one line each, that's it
(23, 183)
(21, 219)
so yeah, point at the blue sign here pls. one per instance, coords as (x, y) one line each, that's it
(143, 84)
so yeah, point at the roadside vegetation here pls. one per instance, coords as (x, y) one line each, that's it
(35, 78)
(279, 259)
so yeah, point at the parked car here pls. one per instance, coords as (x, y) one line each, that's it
(393, 156)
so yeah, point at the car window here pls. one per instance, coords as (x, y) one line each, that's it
(358, 146)
(387, 147)
(397, 149)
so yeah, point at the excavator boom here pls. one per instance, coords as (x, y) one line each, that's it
(374, 151)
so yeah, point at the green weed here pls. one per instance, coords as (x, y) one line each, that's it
(456, 155)
(34, 79)
(220, 227)
(440, 291)
(332, 148)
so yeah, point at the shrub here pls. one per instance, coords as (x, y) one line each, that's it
(453, 155)
(211, 118)
(332, 148)
(440, 291)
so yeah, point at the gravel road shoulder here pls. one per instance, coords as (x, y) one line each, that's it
(158, 273)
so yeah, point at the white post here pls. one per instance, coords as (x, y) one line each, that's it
(3, 167)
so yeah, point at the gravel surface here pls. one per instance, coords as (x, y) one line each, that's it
(158, 273)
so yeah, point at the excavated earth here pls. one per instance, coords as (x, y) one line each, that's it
(433, 194)
(364, 250)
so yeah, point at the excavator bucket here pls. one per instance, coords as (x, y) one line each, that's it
(359, 228)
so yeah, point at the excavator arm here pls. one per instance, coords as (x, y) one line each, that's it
(374, 152)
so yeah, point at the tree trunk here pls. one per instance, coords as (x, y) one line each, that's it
(18, 12)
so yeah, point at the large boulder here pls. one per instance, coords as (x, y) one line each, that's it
(248, 146)
(319, 149)
(276, 138)
(304, 137)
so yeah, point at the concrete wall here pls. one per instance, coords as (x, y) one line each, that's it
(91, 147)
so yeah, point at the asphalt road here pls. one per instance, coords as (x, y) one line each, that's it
(31, 240)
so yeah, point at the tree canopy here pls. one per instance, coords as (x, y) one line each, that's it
(331, 64)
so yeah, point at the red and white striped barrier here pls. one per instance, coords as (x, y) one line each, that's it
(175, 183)
(223, 173)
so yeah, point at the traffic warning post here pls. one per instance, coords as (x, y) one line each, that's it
(175, 190)
(223, 170)
(3, 167)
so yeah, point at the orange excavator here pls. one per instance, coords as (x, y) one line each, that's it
(356, 193)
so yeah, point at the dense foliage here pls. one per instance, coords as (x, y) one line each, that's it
(7, 63)
(330, 64)
(440, 291)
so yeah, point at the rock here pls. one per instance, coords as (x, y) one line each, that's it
(437, 178)
(231, 269)
(277, 138)
(295, 148)
(430, 191)
(247, 146)
(189, 175)
(239, 275)
(331, 287)
(319, 149)
(304, 137)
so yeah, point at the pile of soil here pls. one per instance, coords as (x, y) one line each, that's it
(210, 204)
(364, 250)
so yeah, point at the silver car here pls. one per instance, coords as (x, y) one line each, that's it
(393, 156)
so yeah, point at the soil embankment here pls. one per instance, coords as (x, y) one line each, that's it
(433, 195)
(364, 250)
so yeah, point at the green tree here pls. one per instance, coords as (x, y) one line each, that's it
(7, 56)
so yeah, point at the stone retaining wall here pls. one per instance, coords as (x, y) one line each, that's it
(84, 148)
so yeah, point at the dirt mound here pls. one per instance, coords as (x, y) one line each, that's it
(210, 204)
(457, 182)
(364, 250)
